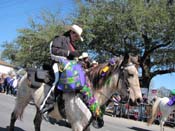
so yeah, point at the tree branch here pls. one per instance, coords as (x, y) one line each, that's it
(161, 72)
(158, 46)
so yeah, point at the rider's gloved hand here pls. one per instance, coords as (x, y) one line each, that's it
(73, 54)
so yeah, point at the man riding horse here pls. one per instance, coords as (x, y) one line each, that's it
(62, 47)
(63, 53)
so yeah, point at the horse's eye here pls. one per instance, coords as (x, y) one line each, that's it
(130, 75)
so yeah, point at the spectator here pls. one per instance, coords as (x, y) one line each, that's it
(116, 99)
(86, 61)
(94, 63)
(1, 83)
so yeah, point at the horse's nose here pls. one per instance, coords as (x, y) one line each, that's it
(138, 100)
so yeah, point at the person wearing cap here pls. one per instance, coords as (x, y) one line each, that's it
(94, 64)
(61, 47)
(80, 58)
(86, 61)
(65, 45)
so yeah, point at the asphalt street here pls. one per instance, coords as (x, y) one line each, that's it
(7, 103)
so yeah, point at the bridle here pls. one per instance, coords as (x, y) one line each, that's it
(121, 75)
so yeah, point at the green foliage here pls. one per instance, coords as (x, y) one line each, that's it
(10, 49)
(144, 28)
(111, 28)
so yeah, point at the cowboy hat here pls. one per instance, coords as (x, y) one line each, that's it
(80, 57)
(94, 62)
(78, 30)
(85, 55)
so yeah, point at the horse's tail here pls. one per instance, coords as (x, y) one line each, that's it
(23, 97)
(154, 111)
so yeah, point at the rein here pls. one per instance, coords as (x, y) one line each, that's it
(119, 77)
(101, 93)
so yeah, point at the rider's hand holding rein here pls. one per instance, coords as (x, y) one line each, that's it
(73, 54)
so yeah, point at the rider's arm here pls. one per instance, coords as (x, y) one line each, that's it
(60, 47)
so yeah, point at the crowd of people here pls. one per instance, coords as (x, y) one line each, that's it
(8, 83)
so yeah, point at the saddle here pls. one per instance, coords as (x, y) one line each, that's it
(39, 76)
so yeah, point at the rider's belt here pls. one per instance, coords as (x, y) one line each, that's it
(57, 58)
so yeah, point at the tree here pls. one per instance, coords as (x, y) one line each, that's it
(144, 28)
(111, 27)
(10, 49)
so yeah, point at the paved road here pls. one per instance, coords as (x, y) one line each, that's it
(111, 124)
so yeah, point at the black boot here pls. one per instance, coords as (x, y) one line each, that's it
(49, 105)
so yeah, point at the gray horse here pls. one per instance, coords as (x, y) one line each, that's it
(121, 77)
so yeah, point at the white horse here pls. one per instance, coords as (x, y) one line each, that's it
(161, 105)
(121, 77)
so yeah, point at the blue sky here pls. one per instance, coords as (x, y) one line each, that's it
(14, 15)
(167, 81)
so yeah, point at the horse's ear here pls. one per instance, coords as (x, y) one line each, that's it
(135, 60)
(125, 59)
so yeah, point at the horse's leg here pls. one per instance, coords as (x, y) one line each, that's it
(73, 113)
(161, 126)
(162, 122)
(87, 129)
(37, 120)
(17, 113)
(77, 113)
(21, 103)
(12, 121)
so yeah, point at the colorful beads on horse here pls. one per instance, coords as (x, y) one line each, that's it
(86, 92)
(95, 108)
(91, 102)
(104, 70)
(112, 61)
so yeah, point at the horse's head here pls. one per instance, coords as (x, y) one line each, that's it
(129, 81)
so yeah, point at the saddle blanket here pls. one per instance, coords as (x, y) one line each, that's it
(72, 77)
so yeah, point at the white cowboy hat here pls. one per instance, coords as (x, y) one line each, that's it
(85, 55)
(94, 62)
(80, 57)
(77, 30)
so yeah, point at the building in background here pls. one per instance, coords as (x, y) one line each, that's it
(5, 67)
(152, 94)
(160, 92)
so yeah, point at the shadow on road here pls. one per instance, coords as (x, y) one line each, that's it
(138, 129)
(6, 129)
(59, 123)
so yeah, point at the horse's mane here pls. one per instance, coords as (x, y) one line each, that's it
(95, 73)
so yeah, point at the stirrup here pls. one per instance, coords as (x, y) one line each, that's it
(45, 99)
(45, 116)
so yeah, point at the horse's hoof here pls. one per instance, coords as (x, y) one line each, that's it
(99, 123)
